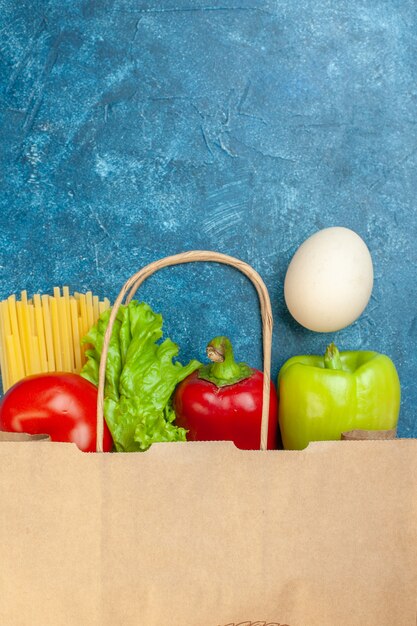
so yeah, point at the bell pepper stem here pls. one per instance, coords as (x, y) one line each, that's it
(332, 360)
(223, 370)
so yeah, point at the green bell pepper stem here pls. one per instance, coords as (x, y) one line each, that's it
(332, 358)
(223, 370)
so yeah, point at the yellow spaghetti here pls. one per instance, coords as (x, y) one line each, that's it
(43, 334)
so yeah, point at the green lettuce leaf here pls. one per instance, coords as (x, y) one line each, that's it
(140, 377)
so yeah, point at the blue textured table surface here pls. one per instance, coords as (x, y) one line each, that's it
(131, 130)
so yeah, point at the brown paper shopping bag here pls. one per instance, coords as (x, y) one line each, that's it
(204, 534)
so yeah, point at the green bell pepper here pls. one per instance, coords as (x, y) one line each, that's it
(320, 398)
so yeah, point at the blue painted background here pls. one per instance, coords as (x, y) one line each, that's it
(131, 130)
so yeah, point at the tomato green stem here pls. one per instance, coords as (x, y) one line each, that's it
(332, 360)
(223, 370)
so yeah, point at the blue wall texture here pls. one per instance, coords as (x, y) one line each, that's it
(134, 129)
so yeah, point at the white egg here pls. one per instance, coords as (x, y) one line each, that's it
(329, 280)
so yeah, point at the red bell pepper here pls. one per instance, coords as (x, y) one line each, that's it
(223, 401)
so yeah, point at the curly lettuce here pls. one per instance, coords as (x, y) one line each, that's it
(140, 377)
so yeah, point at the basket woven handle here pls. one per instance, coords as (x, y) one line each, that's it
(130, 288)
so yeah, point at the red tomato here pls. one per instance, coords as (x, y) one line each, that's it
(232, 412)
(62, 405)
